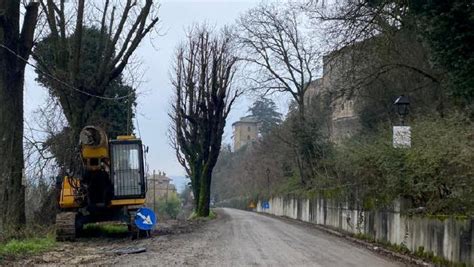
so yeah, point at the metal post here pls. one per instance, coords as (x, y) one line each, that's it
(268, 182)
(167, 188)
(154, 192)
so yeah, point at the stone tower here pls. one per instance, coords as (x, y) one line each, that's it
(245, 131)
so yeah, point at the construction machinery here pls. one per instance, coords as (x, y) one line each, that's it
(110, 187)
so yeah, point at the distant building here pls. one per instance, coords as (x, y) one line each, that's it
(159, 186)
(343, 120)
(245, 131)
(360, 82)
(343, 71)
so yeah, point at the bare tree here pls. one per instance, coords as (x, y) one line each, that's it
(121, 26)
(203, 83)
(286, 58)
(15, 48)
(276, 44)
(46, 122)
(42, 161)
(348, 22)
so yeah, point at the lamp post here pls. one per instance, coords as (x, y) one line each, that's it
(268, 182)
(402, 103)
(402, 133)
(154, 191)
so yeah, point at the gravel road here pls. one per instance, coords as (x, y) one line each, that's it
(240, 238)
(235, 238)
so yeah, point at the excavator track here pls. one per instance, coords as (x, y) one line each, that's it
(66, 226)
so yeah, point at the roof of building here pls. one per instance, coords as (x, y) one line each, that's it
(246, 119)
(159, 177)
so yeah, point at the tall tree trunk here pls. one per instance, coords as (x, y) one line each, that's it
(206, 178)
(204, 192)
(195, 182)
(14, 46)
(304, 143)
(202, 104)
(12, 190)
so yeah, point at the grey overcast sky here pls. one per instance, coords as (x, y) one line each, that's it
(155, 93)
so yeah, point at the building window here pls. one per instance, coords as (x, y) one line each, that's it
(248, 128)
(248, 137)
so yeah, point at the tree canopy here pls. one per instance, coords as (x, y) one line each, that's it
(81, 62)
(265, 111)
(204, 94)
(448, 28)
(115, 116)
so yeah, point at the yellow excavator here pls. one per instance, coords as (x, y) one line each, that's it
(112, 185)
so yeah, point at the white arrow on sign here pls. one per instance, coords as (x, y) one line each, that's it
(146, 220)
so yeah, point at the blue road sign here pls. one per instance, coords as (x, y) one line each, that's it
(145, 219)
(265, 205)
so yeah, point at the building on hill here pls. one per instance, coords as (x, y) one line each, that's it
(360, 82)
(343, 120)
(245, 131)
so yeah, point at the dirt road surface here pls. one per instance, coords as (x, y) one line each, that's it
(236, 238)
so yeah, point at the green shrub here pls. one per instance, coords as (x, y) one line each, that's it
(436, 172)
(169, 207)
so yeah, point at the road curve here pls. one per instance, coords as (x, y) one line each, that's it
(247, 238)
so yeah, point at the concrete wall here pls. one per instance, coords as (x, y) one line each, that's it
(452, 239)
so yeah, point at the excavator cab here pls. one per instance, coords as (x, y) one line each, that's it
(112, 186)
(127, 171)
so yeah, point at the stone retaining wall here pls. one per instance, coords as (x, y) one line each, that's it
(450, 238)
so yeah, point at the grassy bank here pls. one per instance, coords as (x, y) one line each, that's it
(105, 230)
(38, 240)
(28, 246)
(212, 216)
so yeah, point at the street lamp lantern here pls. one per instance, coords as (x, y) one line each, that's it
(402, 102)
(402, 134)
